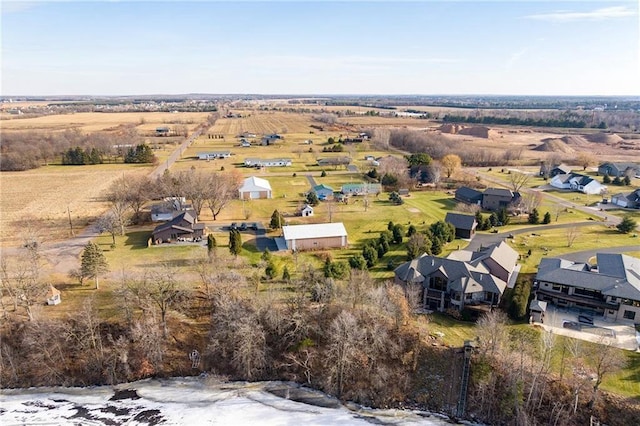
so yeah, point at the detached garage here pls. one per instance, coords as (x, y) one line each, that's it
(315, 236)
(255, 188)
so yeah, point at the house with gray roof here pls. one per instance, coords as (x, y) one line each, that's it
(551, 170)
(474, 280)
(468, 195)
(578, 182)
(465, 224)
(185, 226)
(498, 198)
(361, 188)
(619, 169)
(630, 200)
(611, 289)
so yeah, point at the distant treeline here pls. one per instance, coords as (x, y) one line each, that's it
(79, 157)
(540, 122)
(29, 150)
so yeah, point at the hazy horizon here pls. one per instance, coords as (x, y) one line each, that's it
(324, 48)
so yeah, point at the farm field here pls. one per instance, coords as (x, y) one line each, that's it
(39, 198)
(144, 122)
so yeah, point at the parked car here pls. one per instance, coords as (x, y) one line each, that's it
(233, 226)
(243, 226)
(585, 319)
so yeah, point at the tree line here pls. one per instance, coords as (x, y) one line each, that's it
(30, 150)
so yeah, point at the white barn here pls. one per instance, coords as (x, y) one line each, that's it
(315, 236)
(255, 188)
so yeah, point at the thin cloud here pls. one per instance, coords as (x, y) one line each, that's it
(606, 13)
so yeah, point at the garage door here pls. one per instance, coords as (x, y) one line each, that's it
(255, 194)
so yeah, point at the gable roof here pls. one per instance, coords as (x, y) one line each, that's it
(316, 230)
(499, 192)
(461, 221)
(322, 187)
(255, 182)
(176, 223)
(464, 270)
(467, 193)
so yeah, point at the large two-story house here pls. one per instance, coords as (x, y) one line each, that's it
(498, 198)
(464, 279)
(612, 289)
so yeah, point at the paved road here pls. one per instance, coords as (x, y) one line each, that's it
(584, 256)
(311, 180)
(485, 240)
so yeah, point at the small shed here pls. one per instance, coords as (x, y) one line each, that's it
(306, 211)
(53, 296)
(537, 309)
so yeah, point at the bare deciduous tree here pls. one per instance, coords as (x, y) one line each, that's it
(223, 188)
(492, 332)
(518, 180)
(572, 233)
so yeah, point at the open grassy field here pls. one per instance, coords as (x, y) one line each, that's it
(145, 122)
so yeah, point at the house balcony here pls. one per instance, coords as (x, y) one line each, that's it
(572, 298)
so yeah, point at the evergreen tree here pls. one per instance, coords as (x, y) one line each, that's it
(493, 219)
(503, 217)
(93, 263)
(235, 242)
(606, 179)
(398, 233)
(412, 230)
(286, 275)
(312, 198)
(547, 218)
(534, 217)
(626, 180)
(271, 270)
(357, 262)
(211, 244)
(627, 225)
(370, 255)
(277, 220)
(266, 255)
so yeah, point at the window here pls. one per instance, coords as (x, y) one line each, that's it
(629, 315)
(556, 287)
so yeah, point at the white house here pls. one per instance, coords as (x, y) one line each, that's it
(315, 236)
(254, 188)
(306, 211)
(53, 296)
(270, 162)
(213, 155)
(578, 182)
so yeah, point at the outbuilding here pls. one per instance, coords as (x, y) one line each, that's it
(315, 236)
(255, 188)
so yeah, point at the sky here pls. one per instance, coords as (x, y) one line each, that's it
(320, 47)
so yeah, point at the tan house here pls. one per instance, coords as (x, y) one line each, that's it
(315, 236)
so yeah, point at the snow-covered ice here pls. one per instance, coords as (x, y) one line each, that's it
(191, 401)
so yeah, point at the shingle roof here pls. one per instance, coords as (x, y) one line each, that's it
(461, 221)
(467, 193)
(618, 275)
(464, 270)
(500, 192)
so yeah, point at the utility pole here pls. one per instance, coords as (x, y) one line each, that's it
(70, 223)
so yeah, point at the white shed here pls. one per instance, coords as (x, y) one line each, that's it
(53, 296)
(307, 210)
(317, 236)
(255, 188)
